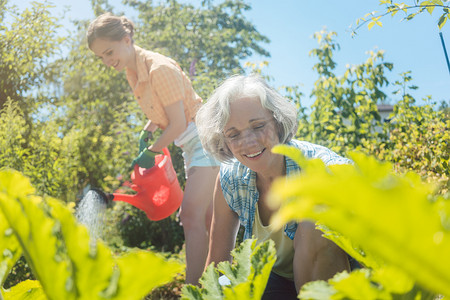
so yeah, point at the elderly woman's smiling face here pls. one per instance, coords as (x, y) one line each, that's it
(250, 134)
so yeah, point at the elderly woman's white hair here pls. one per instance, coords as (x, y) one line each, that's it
(215, 113)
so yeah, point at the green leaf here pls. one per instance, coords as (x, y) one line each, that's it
(248, 274)
(429, 6)
(34, 231)
(403, 6)
(393, 11)
(61, 256)
(344, 284)
(442, 21)
(393, 279)
(317, 290)
(350, 248)
(210, 282)
(26, 290)
(377, 210)
(373, 22)
(9, 248)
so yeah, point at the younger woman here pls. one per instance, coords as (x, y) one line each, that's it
(166, 97)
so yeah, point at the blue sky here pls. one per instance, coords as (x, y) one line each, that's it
(411, 45)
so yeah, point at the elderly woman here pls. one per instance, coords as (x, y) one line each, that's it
(239, 125)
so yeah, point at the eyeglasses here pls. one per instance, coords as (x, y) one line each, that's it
(257, 128)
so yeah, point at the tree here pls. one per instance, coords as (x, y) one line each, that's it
(29, 141)
(26, 46)
(344, 115)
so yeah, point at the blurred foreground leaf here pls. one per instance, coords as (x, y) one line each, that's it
(61, 256)
(26, 290)
(9, 249)
(388, 217)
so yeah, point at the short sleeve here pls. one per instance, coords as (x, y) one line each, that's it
(226, 182)
(316, 151)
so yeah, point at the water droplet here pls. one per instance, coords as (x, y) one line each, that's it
(8, 232)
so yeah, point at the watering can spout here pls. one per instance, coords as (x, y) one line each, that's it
(105, 197)
(158, 191)
(131, 199)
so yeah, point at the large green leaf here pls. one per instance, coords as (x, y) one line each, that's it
(61, 256)
(389, 277)
(359, 284)
(35, 233)
(387, 215)
(9, 249)
(255, 260)
(26, 290)
(248, 274)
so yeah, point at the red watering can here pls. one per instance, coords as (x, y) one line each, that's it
(158, 191)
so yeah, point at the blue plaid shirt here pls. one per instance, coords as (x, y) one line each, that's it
(239, 184)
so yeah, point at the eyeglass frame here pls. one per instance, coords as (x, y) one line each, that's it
(255, 130)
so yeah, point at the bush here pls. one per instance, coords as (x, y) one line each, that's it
(136, 230)
(418, 141)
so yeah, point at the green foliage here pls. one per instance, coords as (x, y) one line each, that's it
(11, 250)
(409, 12)
(344, 115)
(12, 132)
(248, 274)
(78, 129)
(26, 290)
(61, 256)
(377, 281)
(342, 286)
(37, 151)
(128, 226)
(30, 140)
(418, 138)
(27, 42)
(352, 204)
(169, 291)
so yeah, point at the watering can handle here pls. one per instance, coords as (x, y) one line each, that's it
(138, 174)
(166, 152)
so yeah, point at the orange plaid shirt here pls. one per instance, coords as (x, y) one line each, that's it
(159, 82)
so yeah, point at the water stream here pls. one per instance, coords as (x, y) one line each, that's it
(91, 212)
